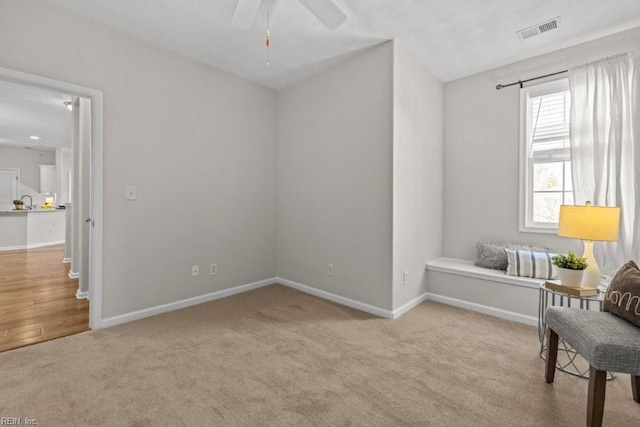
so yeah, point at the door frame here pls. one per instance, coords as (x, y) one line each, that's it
(17, 171)
(96, 199)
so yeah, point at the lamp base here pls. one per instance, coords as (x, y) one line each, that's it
(592, 275)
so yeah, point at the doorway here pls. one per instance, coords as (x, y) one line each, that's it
(89, 219)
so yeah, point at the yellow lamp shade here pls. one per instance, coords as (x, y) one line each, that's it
(589, 222)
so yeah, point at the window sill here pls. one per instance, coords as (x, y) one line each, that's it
(538, 229)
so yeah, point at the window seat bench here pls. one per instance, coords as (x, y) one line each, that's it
(468, 268)
(461, 283)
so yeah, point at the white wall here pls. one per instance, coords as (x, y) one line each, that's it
(335, 136)
(27, 160)
(481, 148)
(198, 143)
(417, 174)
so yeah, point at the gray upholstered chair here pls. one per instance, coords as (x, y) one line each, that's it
(606, 341)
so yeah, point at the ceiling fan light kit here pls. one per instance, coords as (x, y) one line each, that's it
(324, 10)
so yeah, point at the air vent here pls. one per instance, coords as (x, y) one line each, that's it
(529, 32)
(543, 27)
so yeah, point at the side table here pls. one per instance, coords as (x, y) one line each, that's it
(569, 360)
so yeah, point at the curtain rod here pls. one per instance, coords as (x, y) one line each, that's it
(521, 82)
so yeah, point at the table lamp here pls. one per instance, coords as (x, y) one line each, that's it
(589, 223)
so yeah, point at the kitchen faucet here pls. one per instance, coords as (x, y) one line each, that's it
(30, 200)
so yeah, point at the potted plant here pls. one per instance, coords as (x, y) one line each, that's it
(570, 268)
(18, 204)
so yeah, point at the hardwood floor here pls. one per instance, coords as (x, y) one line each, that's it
(37, 298)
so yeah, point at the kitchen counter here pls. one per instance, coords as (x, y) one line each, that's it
(26, 211)
(31, 228)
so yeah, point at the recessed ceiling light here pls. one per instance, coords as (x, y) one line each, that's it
(34, 137)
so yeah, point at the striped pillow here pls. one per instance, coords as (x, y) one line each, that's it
(531, 264)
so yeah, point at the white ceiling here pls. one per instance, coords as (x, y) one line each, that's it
(29, 111)
(451, 38)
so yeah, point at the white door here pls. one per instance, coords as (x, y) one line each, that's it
(9, 181)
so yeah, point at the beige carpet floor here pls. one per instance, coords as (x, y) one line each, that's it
(275, 356)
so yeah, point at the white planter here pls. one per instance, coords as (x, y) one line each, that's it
(570, 277)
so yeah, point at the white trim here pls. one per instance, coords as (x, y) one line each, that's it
(14, 248)
(523, 205)
(96, 96)
(525, 171)
(491, 311)
(95, 244)
(410, 305)
(74, 275)
(463, 267)
(32, 246)
(164, 308)
(66, 260)
(337, 298)
(15, 195)
(82, 295)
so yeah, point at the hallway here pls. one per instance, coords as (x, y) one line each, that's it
(37, 298)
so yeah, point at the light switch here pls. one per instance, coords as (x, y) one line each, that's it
(131, 192)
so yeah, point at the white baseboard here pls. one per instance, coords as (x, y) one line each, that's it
(337, 298)
(32, 246)
(491, 311)
(74, 275)
(82, 295)
(367, 308)
(484, 309)
(410, 305)
(164, 308)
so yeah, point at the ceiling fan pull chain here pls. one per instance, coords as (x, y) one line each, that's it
(267, 42)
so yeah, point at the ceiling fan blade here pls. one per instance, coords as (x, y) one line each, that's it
(326, 12)
(245, 13)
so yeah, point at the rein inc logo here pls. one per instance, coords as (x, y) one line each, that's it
(18, 421)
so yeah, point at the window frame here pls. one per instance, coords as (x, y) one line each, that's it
(525, 211)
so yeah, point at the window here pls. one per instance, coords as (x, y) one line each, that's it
(545, 157)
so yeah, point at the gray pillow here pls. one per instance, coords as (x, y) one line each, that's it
(492, 255)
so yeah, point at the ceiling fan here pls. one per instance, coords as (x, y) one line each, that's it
(325, 10)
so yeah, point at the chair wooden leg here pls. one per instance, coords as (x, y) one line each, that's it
(595, 402)
(635, 387)
(552, 355)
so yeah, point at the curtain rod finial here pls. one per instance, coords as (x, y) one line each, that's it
(498, 87)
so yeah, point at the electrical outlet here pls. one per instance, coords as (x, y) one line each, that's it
(195, 270)
(330, 269)
(213, 269)
(131, 192)
(405, 277)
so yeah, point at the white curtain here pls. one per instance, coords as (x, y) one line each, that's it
(605, 148)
